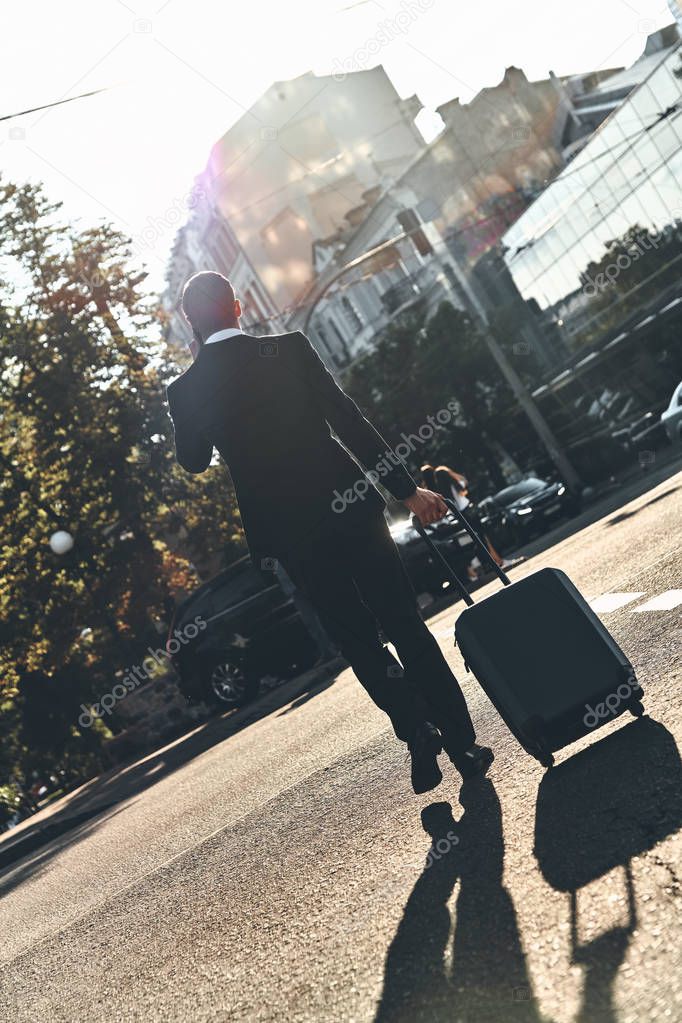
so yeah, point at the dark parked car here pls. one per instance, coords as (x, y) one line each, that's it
(428, 576)
(645, 434)
(235, 631)
(525, 510)
(239, 628)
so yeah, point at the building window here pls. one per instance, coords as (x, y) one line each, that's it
(221, 246)
(253, 315)
(252, 308)
(351, 314)
(345, 358)
(323, 338)
(263, 301)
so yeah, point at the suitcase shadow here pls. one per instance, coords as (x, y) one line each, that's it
(613, 801)
(481, 975)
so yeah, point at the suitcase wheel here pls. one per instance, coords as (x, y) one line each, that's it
(636, 708)
(543, 754)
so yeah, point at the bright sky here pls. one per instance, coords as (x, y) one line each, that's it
(185, 70)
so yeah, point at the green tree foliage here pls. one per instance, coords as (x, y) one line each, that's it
(415, 370)
(86, 446)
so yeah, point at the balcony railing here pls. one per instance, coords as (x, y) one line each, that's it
(398, 294)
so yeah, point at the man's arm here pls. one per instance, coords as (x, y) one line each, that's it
(356, 432)
(192, 448)
(366, 443)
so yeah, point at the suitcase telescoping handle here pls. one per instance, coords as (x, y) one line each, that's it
(463, 591)
(482, 547)
(479, 541)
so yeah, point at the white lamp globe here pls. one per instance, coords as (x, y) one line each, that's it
(61, 542)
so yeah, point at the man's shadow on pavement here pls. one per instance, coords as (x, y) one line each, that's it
(595, 812)
(488, 980)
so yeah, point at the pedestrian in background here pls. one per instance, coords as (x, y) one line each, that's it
(455, 487)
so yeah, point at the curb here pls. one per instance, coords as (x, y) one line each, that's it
(45, 833)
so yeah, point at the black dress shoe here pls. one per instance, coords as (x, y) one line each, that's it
(475, 761)
(423, 752)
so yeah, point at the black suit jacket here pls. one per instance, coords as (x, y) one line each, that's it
(267, 405)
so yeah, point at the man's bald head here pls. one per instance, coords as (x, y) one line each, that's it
(209, 304)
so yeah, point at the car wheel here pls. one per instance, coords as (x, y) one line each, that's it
(228, 686)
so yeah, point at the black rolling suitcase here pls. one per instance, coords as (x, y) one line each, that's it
(543, 657)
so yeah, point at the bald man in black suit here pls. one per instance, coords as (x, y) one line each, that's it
(268, 404)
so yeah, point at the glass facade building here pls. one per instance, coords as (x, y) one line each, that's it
(597, 259)
(623, 190)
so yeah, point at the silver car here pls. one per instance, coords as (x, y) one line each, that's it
(672, 417)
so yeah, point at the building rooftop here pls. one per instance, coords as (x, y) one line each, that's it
(658, 45)
(625, 81)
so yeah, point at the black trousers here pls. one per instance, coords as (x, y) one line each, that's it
(356, 580)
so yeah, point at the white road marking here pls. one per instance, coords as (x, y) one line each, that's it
(663, 602)
(612, 601)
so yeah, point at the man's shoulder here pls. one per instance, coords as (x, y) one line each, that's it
(289, 339)
(177, 384)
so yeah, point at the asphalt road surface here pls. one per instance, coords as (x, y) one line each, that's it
(289, 873)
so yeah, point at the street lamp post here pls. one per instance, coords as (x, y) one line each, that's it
(518, 388)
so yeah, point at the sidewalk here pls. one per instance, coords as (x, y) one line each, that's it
(124, 781)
